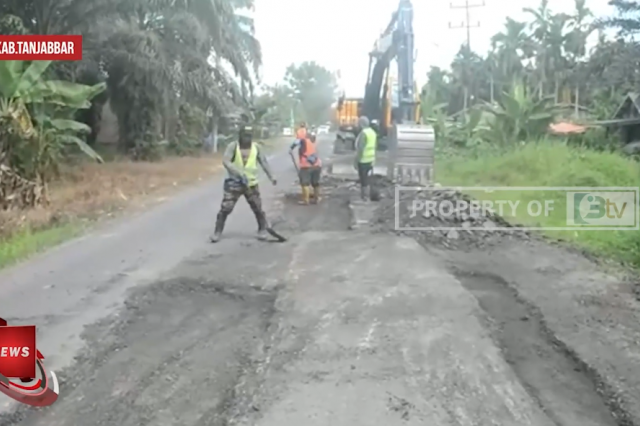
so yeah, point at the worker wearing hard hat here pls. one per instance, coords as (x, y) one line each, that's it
(241, 160)
(366, 145)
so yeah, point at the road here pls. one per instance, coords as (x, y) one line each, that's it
(149, 324)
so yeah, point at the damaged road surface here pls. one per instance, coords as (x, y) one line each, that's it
(335, 327)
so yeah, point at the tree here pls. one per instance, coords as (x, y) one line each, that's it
(627, 20)
(155, 56)
(534, 69)
(313, 86)
(280, 101)
(163, 63)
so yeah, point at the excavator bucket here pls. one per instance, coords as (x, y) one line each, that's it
(411, 154)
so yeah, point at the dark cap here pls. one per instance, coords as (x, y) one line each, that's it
(246, 130)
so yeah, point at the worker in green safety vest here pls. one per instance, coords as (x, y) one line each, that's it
(241, 160)
(366, 145)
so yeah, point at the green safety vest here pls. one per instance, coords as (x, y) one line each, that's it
(371, 142)
(251, 167)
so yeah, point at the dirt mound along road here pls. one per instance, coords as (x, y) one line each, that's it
(458, 236)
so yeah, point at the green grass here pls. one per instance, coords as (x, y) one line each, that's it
(26, 243)
(551, 165)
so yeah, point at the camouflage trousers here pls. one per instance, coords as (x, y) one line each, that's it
(232, 192)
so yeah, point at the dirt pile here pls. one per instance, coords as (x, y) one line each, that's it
(441, 216)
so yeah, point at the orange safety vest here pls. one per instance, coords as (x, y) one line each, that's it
(304, 154)
(301, 133)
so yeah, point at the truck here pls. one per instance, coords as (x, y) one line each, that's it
(347, 113)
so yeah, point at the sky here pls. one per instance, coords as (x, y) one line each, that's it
(338, 34)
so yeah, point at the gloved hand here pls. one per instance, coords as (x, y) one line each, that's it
(244, 180)
(274, 182)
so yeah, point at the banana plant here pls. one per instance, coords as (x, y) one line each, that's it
(518, 117)
(25, 140)
(471, 128)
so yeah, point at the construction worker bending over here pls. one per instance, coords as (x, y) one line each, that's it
(310, 167)
(366, 145)
(241, 160)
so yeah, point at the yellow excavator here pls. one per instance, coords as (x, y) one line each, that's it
(392, 103)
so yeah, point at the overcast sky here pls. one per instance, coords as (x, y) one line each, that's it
(338, 34)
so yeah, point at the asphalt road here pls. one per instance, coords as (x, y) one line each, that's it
(149, 324)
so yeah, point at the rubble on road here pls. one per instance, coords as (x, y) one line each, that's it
(428, 228)
(462, 227)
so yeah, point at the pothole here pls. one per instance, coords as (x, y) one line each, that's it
(563, 386)
(331, 214)
(173, 355)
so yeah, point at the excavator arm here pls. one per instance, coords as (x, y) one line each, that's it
(396, 42)
(411, 144)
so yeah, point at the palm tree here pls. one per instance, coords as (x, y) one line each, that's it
(540, 28)
(576, 45)
(155, 54)
(509, 49)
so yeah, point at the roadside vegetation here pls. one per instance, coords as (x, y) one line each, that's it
(493, 114)
(171, 72)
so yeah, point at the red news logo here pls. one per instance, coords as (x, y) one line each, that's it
(18, 351)
(23, 376)
(41, 48)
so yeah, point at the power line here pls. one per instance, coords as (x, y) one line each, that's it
(467, 6)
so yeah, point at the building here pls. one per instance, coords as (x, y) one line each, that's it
(626, 120)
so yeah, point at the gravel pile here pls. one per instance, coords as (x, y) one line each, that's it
(460, 217)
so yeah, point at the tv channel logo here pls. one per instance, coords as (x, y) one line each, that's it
(603, 209)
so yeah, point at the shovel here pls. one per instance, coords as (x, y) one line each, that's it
(272, 232)
(293, 160)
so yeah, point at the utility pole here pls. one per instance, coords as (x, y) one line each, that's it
(467, 25)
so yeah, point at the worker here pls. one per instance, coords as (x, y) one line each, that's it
(241, 160)
(310, 168)
(301, 133)
(366, 145)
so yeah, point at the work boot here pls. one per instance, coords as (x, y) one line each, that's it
(217, 234)
(305, 196)
(316, 195)
(364, 193)
(262, 228)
